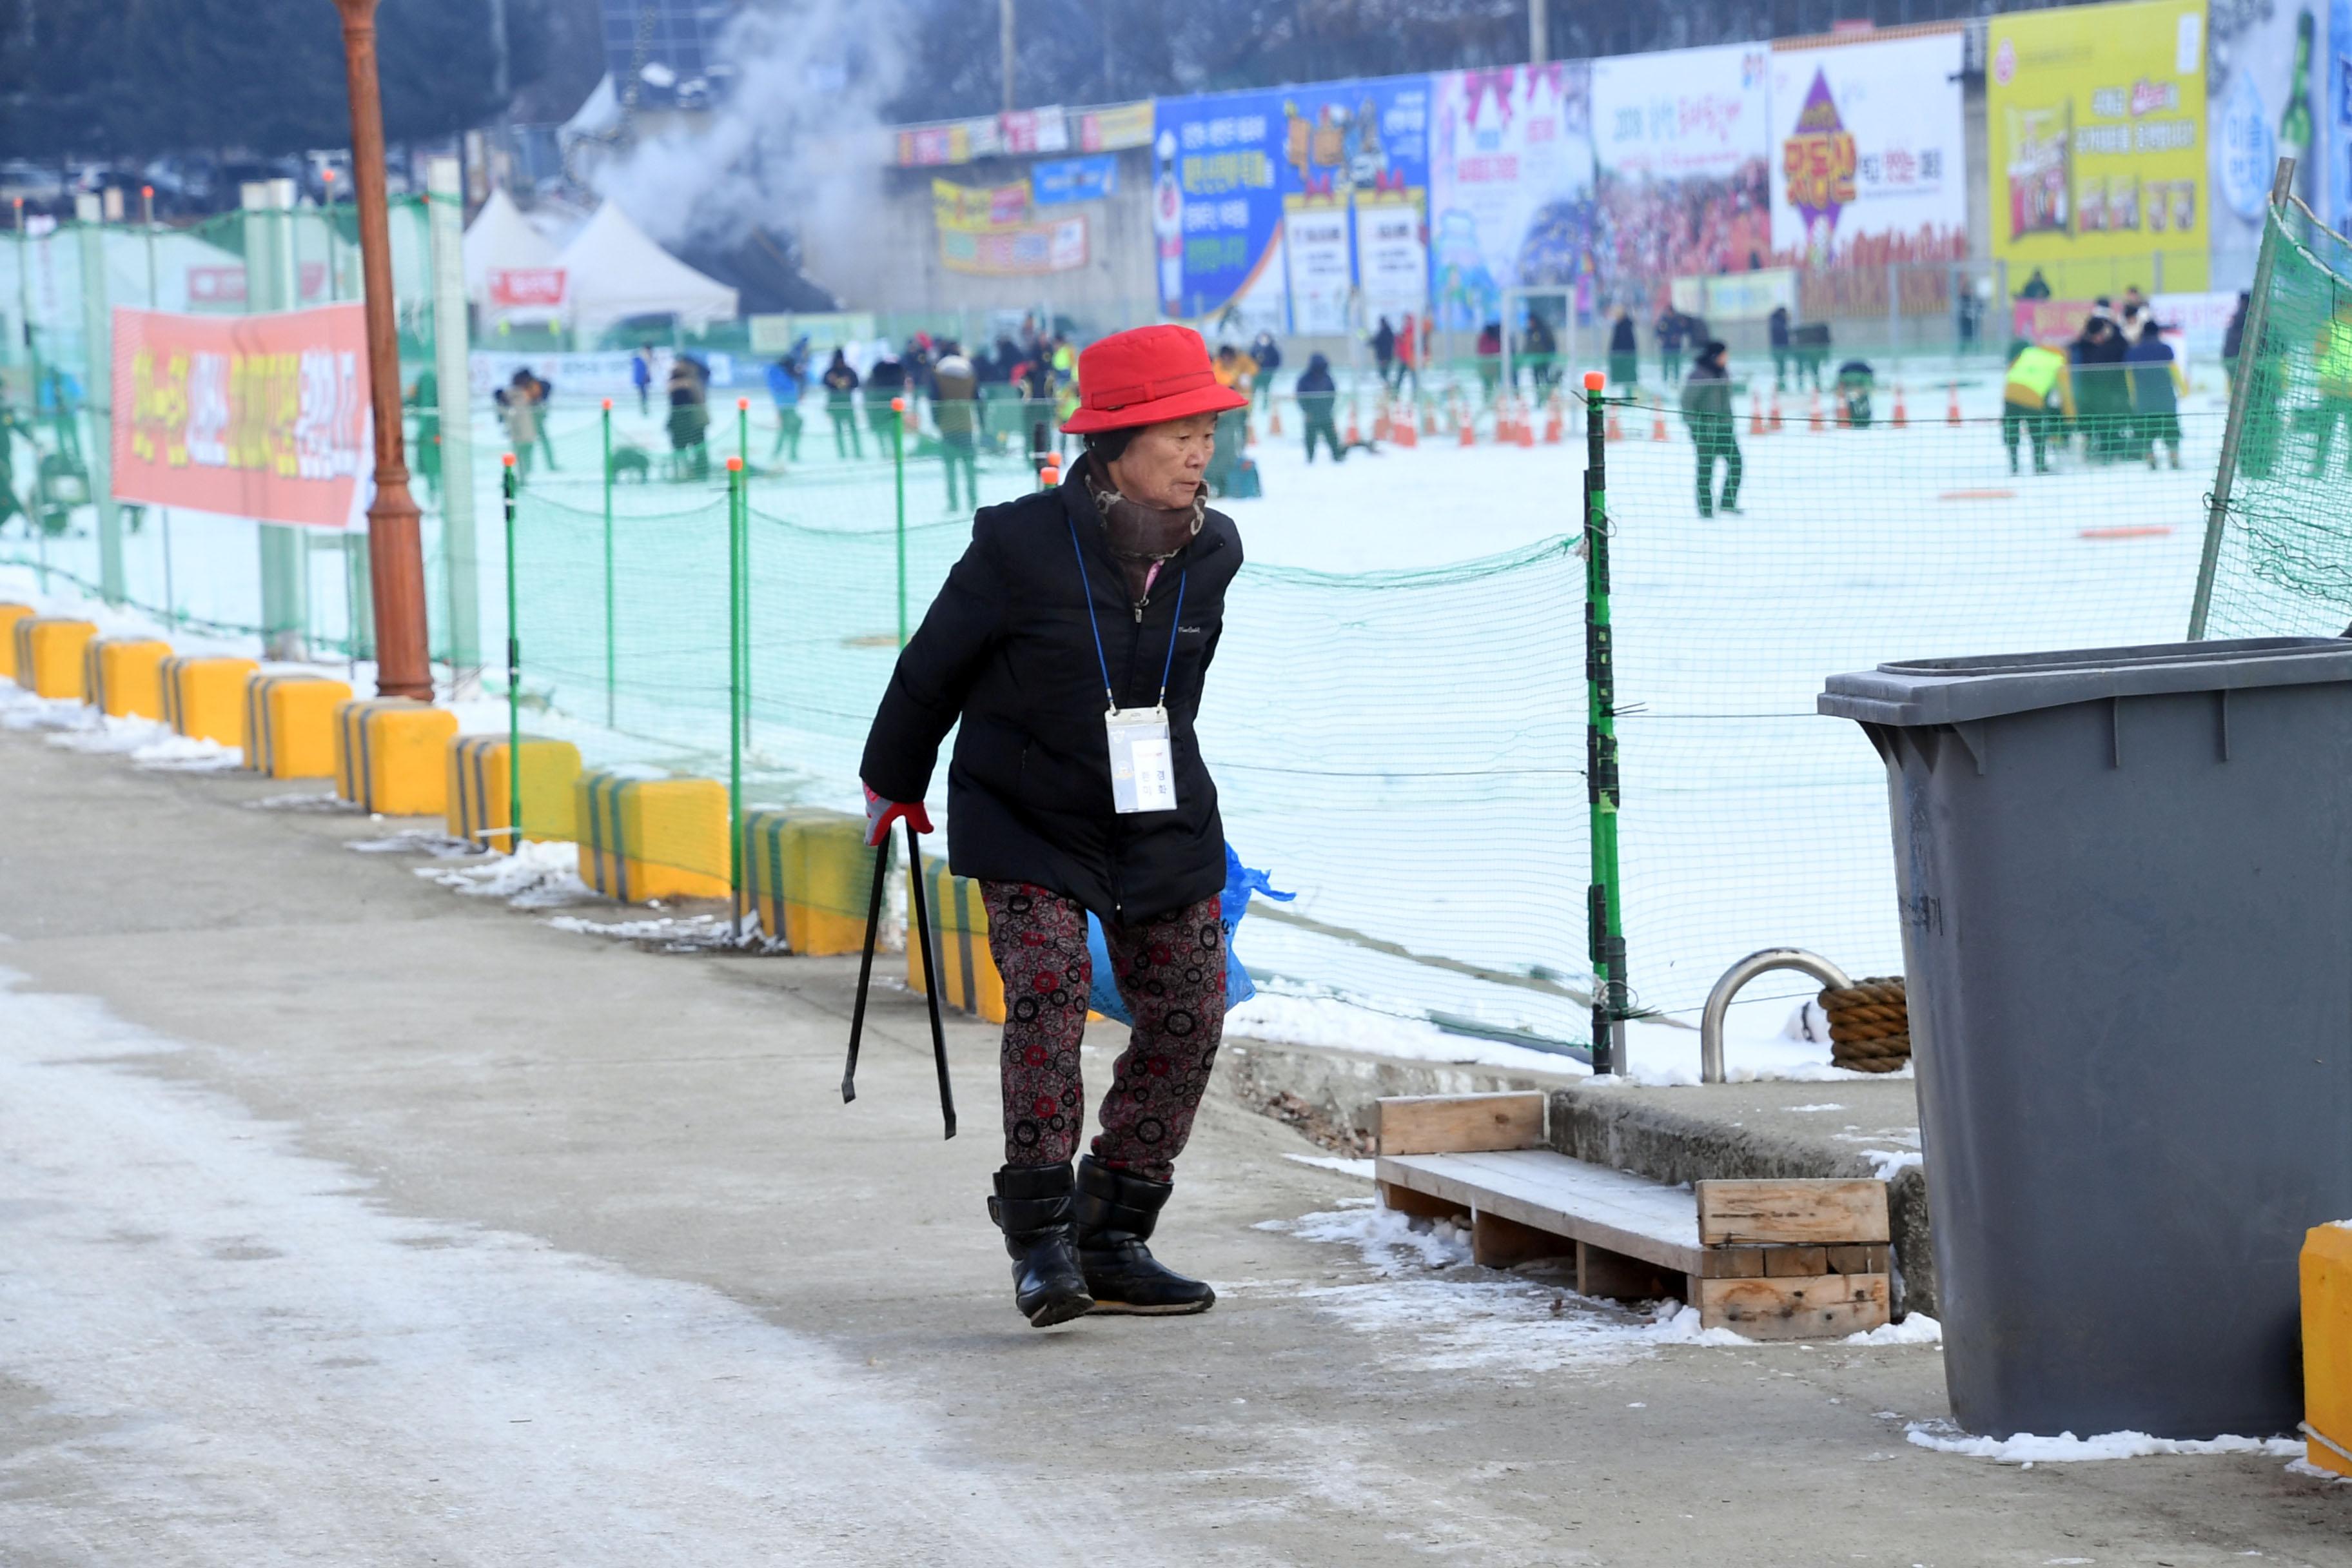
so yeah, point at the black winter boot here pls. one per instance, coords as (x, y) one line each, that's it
(1116, 1214)
(1034, 1208)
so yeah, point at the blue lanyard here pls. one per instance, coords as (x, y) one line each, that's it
(1167, 665)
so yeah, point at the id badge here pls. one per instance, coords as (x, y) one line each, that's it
(1142, 763)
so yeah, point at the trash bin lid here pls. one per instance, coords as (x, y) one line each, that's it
(1912, 692)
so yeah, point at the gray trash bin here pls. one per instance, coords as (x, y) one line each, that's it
(2124, 877)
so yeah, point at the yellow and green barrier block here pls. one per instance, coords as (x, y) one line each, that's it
(389, 755)
(123, 677)
(479, 798)
(203, 699)
(289, 725)
(809, 875)
(10, 614)
(2327, 1268)
(968, 977)
(48, 654)
(652, 839)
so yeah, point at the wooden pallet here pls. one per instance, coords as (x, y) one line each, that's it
(1770, 1260)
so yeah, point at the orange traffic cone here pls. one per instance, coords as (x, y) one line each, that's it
(1553, 420)
(1401, 432)
(1380, 424)
(1429, 426)
(1901, 418)
(1813, 416)
(1952, 409)
(1844, 414)
(1776, 410)
(1355, 437)
(1657, 424)
(1755, 426)
(1614, 431)
(1524, 428)
(1469, 429)
(1272, 418)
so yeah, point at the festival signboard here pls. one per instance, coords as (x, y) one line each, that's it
(1266, 205)
(264, 416)
(1868, 162)
(2095, 126)
(1680, 143)
(1510, 180)
(524, 289)
(1353, 148)
(2265, 94)
(1119, 126)
(1216, 209)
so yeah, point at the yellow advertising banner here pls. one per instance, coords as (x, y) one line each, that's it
(2095, 118)
(979, 206)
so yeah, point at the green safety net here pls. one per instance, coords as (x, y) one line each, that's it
(2282, 555)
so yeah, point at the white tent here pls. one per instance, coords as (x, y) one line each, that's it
(614, 270)
(500, 239)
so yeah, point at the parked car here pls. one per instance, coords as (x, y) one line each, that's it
(35, 184)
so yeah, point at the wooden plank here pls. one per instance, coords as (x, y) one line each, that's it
(1796, 1262)
(1601, 1272)
(1858, 1259)
(1567, 1197)
(1736, 1262)
(1500, 1243)
(1453, 1123)
(1745, 1212)
(1420, 1205)
(1821, 1307)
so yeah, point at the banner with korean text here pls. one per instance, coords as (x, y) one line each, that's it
(261, 416)
(1869, 162)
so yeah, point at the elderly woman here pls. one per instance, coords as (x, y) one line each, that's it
(1073, 639)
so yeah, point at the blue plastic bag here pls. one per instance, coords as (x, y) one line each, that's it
(1232, 904)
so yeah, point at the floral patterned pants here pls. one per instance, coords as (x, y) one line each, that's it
(1171, 972)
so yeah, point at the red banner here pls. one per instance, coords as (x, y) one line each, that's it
(260, 417)
(527, 288)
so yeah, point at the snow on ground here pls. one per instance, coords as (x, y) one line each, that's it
(2067, 1448)
(238, 1345)
(1463, 1317)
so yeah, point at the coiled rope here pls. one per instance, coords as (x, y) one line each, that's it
(1870, 1024)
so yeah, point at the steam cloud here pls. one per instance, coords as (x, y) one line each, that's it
(789, 146)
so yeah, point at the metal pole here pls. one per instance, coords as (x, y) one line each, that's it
(1606, 912)
(514, 672)
(735, 507)
(611, 665)
(2234, 429)
(899, 463)
(1538, 31)
(453, 413)
(395, 549)
(98, 393)
(33, 363)
(334, 284)
(743, 437)
(1006, 57)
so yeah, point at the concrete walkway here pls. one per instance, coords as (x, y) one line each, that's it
(344, 1220)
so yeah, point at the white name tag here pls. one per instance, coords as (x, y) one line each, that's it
(1142, 763)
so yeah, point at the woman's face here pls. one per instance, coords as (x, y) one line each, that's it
(1163, 464)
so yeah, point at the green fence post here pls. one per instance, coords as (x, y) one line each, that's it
(735, 639)
(1606, 912)
(514, 674)
(743, 437)
(612, 682)
(898, 464)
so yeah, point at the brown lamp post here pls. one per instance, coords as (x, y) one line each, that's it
(396, 557)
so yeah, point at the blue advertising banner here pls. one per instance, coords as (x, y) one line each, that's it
(1215, 209)
(1275, 209)
(1060, 180)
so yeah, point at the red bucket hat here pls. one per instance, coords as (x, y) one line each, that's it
(1144, 375)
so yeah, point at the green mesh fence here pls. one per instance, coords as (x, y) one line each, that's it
(2282, 553)
(185, 569)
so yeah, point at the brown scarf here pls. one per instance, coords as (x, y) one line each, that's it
(1142, 536)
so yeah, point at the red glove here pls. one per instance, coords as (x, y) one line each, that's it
(881, 814)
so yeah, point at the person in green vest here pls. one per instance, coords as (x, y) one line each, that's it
(2332, 358)
(2036, 376)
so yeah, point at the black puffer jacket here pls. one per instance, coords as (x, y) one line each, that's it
(1007, 645)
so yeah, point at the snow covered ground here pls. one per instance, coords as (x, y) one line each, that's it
(1397, 717)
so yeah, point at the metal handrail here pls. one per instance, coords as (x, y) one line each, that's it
(1718, 1001)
